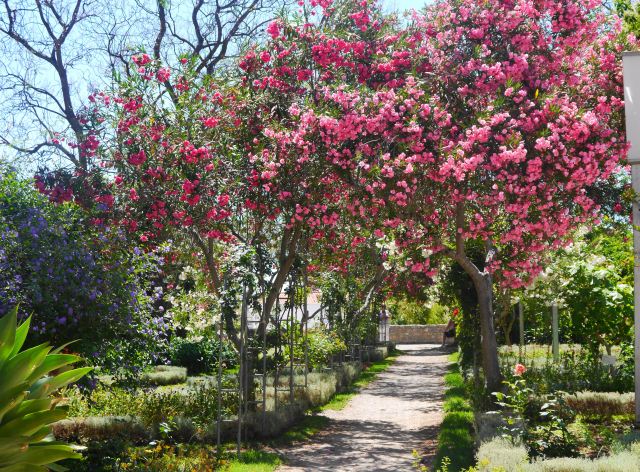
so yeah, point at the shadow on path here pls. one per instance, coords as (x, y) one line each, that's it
(397, 413)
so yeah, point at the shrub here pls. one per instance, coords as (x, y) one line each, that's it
(201, 356)
(623, 462)
(578, 370)
(165, 375)
(26, 406)
(153, 407)
(101, 428)
(323, 345)
(500, 454)
(77, 280)
(602, 404)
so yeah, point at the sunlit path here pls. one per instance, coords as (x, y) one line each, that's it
(378, 430)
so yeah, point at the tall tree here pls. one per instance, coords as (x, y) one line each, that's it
(485, 123)
(56, 52)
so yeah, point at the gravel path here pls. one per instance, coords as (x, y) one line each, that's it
(380, 427)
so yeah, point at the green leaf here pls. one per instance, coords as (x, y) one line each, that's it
(18, 368)
(21, 336)
(27, 407)
(23, 468)
(11, 398)
(59, 349)
(53, 362)
(7, 334)
(66, 378)
(43, 455)
(57, 468)
(31, 423)
(9, 447)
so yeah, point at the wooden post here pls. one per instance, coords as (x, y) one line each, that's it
(554, 330)
(521, 323)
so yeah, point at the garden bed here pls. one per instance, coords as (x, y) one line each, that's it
(188, 411)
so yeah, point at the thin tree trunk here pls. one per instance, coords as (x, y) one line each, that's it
(483, 284)
(490, 363)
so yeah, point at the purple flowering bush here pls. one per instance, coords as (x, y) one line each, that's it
(80, 282)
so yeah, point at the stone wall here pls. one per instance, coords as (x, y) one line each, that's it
(416, 334)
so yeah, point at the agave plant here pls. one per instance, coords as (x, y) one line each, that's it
(27, 410)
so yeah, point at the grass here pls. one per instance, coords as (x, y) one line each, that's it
(254, 461)
(455, 440)
(305, 429)
(340, 400)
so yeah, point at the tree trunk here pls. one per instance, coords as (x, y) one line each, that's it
(490, 363)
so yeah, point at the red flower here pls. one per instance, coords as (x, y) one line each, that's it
(138, 158)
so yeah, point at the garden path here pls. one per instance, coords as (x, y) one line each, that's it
(397, 413)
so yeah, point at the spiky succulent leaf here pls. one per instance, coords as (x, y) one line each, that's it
(18, 368)
(26, 411)
(26, 407)
(21, 336)
(7, 334)
(53, 362)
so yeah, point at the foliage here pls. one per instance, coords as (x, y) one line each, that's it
(322, 346)
(29, 378)
(544, 432)
(193, 307)
(202, 356)
(601, 405)
(408, 311)
(576, 371)
(164, 375)
(79, 280)
(198, 403)
(592, 282)
(499, 455)
(515, 400)
(630, 13)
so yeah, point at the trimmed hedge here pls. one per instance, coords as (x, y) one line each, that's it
(499, 455)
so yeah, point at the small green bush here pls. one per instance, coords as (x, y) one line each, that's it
(201, 356)
(152, 407)
(165, 375)
(602, 404)
(101, 428)
(500, 455)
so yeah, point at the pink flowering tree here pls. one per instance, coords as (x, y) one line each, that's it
(478, 122)
(484, 124)
(216, 168)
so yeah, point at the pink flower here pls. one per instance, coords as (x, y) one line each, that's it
(265, 56)
(163, 74)
(223, 199)
(303, 74)
(141, 60)
(137, 158)
(519, 369)
(210, 122)
(273, 29)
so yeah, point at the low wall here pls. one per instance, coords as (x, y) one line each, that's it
(416, 334)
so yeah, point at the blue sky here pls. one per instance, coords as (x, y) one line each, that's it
(404, 4)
